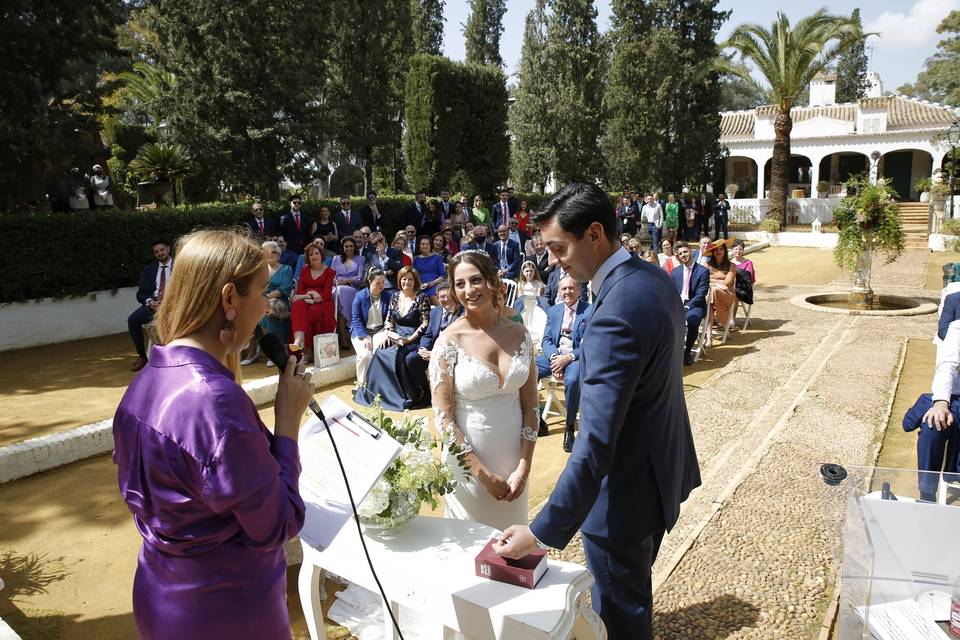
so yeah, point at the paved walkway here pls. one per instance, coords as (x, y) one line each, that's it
(748, 558)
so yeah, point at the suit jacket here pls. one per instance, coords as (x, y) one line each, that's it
(703, 208)
(269, 227)
(429, 337)
(414, 216)
(951, 312)
(699, 284)
(551, 334)
(148, 281)
(497, 212)
(553, 285)
(513, 261)
(721, 207)
(445, 215)
(360, 309)
(344, 229)
(543, 265)
(368, 219)
(635, 461)
(297, 239)
(394, 262)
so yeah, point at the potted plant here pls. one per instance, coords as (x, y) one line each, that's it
(823, 189)
(923, 186)
(731, 190)
(867, 218)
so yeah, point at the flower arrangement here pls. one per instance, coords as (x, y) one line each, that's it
(416, 476)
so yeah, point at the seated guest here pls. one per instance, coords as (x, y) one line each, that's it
(650, 256)
(480, 241)
(287, 256)
(552, 294)
(561, 350)
(366, 327)
(736, 257)
(408, 317)
(441, 317)
(400, 244)
(515, 234)
(411, 232)
(633, 246)
(439, 245)
(540, 257)
(213, 493)
(937, 416)
(348, 271)
(386, 259)
(534, 232)
(312, 310)
(701, 255)
(723, 277)
(153, 285)
(530, 289)
(451, 245)
(429, 267)
(328, 256)
(693, 284)
(279, 286)
(362, 238)
(949, 313)
(667, 260)
(506, 254)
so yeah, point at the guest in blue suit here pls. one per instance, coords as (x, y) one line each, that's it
(503, 210)
(506, 254)
(634, 462)
(368, 315)
(441, 317)
(153, 284)
(480, 241)
(387, 259)
(949, 313)
(551, 294)
(561, 350)
(692, 281)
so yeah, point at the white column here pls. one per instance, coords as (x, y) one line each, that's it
(814, 176)
(761, 176)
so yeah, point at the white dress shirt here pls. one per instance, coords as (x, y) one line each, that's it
(946, 382)
(156, 282)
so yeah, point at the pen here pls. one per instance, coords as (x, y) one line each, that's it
(365, 426)
(346, 426)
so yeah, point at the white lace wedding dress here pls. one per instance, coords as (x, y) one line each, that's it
(488, 413)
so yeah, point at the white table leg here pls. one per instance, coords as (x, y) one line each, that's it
(310, 584)
(588, 625)
(388, 630)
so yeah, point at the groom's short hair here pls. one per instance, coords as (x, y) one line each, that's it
(577, 206)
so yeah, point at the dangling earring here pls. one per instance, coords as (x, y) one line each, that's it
(229, 332)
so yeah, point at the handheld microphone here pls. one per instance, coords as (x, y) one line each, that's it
(273, 348)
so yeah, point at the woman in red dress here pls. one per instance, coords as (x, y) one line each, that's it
(312, 311)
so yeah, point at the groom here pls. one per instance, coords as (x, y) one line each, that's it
(634, 462)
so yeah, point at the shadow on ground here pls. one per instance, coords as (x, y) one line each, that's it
(720, 617)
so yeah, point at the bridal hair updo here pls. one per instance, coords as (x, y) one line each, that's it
(479, 259)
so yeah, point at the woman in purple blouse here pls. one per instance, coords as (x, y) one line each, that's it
(212, 491)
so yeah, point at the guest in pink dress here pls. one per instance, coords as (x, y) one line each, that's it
(213, 493)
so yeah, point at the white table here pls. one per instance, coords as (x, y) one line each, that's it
(429, 567)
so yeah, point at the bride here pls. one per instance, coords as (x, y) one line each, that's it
(484, 387)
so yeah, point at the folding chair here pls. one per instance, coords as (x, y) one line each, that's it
(746, 319)
(555, 393)
(512, 289)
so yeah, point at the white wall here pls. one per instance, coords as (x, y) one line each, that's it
(48, 320)
(790, 239)
(809, 209)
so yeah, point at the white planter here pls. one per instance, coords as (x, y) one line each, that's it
(925, 196)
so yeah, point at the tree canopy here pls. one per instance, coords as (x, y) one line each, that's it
(483, 30)
(940, 80)
(851, 68)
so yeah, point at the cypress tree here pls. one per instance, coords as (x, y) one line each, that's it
(531, 154)
(852, 81)
(427, 19)
(483, 30)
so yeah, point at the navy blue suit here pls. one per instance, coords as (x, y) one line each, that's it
(297, 239)
(144, 314)
(344, 229)
(635, 461)
(417, 366)
(361, 308)
(549, 296)
(933, 444)
(549, 344)
(269, 227)
(498, 210)
(696, 307)
(950, 312)
(393, 262)
(513, 254)
(415, 216)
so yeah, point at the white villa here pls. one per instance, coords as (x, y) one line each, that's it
(889, 136)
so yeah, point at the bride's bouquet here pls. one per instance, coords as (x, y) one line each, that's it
(416, 476)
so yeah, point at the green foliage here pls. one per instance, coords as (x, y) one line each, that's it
(851, 68)
(869, 211)
(427, 19)
(770, 225)
(250, 78)
(951, 227)
(662, 93)
(559, 116)
(483, 30)
(447, 130)
(143, 92)
(939, 81)
(736, 94)
(162, 161)
(53, 54)
(923, 184)
(121, 241)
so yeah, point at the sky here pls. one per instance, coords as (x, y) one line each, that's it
(907, 29)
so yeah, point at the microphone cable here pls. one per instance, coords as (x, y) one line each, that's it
(273, 348)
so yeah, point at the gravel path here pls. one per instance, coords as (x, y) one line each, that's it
(749, 557)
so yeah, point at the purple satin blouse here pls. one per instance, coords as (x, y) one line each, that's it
(214, 495)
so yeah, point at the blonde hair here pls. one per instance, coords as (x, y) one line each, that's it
(206, 261)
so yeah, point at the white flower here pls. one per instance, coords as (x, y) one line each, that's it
(376, 501)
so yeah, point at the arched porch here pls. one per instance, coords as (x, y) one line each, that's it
(742, 171)
(903, 167)
(801, 174)
(839, 167)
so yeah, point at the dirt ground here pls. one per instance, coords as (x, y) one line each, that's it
(68, 546)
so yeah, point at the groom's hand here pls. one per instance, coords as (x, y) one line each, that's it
(516, 542)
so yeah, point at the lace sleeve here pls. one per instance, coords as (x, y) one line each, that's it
(443, 359)
(529, 398)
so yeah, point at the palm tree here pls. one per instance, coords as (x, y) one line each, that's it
(144, 89)
(163, 162)
(788, 58)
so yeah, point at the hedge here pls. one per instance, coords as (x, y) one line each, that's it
(54, 255)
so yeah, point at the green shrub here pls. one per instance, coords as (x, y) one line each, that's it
(770, 225)
(71, 254)
(951, 227)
